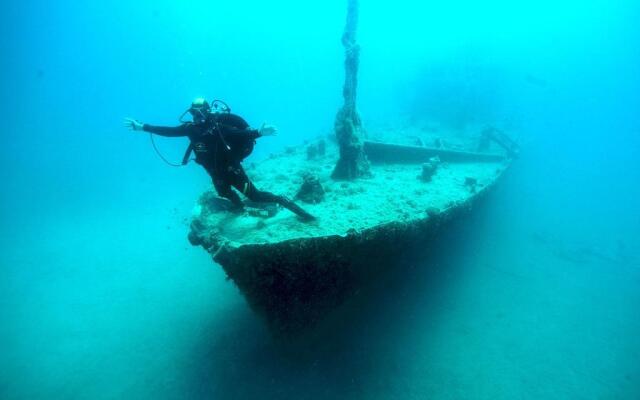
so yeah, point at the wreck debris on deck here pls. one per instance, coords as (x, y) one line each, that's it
(293, 272)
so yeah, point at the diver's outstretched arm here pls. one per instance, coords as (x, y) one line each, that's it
(169, 131)
(267, 130)
(133, 124)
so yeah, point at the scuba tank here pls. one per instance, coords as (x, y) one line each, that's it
(218, 107)
(218, 116)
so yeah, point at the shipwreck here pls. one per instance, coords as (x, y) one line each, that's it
(373, 197)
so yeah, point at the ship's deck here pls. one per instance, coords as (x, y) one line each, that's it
(394, 193)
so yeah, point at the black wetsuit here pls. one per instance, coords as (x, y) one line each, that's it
(220, 143)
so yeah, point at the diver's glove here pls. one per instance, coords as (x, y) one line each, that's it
(133, 124)
(267, 130)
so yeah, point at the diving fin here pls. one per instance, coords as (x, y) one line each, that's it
(296, 209)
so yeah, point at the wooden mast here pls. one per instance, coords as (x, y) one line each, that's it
(353, 162)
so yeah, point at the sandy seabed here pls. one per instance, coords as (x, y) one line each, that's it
(118, 305)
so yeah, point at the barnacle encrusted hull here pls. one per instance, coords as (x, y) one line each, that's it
(293, 273)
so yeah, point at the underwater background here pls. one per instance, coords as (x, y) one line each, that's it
(535, 295)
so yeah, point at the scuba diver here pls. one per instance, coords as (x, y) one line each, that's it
(220, 141)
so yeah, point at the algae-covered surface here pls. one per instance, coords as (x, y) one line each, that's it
(395, 192)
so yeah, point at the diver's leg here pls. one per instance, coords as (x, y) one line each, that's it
(223, 188)
(242, 183)
(294, 208)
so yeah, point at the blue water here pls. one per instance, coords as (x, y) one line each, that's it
(534, 296)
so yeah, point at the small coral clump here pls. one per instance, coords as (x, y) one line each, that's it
(430, 168)
(311, 190)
